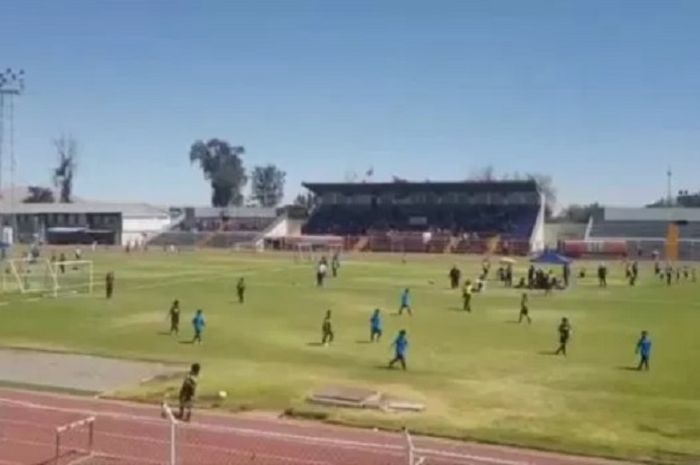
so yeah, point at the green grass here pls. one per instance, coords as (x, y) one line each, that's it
(480, 376)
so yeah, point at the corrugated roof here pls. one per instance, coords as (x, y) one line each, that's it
(132, 210)
(235, 212)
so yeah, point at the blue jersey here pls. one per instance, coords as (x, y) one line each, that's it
(401, 344)
(644, 347)
(198, 322)
(376, 322)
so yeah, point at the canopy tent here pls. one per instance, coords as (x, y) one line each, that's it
(551, 258)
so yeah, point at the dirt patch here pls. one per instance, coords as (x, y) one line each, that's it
(79, 373)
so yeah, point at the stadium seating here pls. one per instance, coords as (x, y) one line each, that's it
(640, 229)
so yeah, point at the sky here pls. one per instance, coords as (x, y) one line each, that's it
(601, 95)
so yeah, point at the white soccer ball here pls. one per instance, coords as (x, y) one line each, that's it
(223, 394)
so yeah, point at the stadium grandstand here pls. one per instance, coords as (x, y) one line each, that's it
(499, 216)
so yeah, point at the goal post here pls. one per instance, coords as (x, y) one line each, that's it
(41, 276)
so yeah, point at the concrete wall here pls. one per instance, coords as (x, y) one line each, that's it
(554, 232)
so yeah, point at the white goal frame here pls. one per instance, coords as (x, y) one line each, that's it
(51, 272)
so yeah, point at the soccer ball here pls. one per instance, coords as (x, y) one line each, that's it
(223, 394)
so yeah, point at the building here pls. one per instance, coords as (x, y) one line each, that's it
(510, 211)
(81, 222)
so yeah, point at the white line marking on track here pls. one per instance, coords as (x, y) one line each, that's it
(290, 437)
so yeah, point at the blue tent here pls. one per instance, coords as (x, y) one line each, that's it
(551, 258)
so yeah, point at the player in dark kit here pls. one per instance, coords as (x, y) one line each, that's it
(454, 275)
(564, 336)
(644, 351)
(174, 314)
(187, 393)
(240, 290)
(109, 284)
(524, 309)
(602, 275)
(327, 330)
(62, 263)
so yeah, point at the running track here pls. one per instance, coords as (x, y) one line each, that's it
(135, 434)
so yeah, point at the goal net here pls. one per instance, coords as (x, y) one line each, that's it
(304, 253)
(41, 276)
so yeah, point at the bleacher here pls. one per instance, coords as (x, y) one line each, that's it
(394, 216)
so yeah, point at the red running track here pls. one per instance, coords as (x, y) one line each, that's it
(135, 434)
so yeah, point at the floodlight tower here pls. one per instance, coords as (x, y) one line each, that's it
(11, 86)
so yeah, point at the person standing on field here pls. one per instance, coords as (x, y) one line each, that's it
(174, 315)
(644, 351)
(564, 336)
(198, 325)
(400, 346)
(187, 393)
(375, 331)
(109, 284)
(240, 290)
(327, 335)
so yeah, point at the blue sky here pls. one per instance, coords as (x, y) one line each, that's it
(602, 95)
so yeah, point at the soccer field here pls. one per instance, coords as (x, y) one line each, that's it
(480, 375)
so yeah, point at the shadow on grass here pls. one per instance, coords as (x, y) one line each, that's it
(363, 341)
(164, 333)
(187, 341)
(627, 368)
(314, 344)
(547, 352)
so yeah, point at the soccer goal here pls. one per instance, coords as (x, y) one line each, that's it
(41, 276)
(304, 253)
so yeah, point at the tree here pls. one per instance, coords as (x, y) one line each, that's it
(485, 174)
(63, 174)
(578, 213)
(304, 200)
(267, 185)
(38, 194)
(222, 166)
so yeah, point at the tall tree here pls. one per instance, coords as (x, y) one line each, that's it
(304, 200)
(485, 174)
(38, 194)
(267, 185)
(64, 173)
(222, 166)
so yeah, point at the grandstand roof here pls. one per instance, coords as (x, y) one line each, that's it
(469, 186)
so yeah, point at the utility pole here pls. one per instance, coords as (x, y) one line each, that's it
(11, 86)
(669, 195)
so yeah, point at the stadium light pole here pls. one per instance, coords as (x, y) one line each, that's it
(11, 86)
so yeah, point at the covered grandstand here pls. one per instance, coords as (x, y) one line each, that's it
(505, 216)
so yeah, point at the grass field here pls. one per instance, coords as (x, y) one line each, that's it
(480, 375)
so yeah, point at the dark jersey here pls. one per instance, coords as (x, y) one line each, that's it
(564, 331)
(189, 387)
(327, 328)
(175, 313)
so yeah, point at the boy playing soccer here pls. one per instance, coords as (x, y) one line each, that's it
(109, 284)
(564, 335)
(467, 296)
(644, 351)
(327, 330)
(240, 290)
(400, 345)
(375, 332)
(174, 314)
(524, 309)
(405, 302)
(187, 392)
(198, 324)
